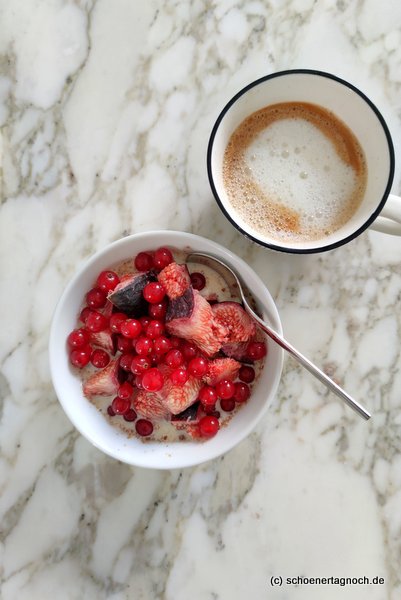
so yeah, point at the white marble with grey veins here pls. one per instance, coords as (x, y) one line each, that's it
(105, 109)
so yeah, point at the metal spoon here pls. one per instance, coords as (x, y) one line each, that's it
(223, 269)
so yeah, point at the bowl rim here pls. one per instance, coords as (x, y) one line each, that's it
(183, 238)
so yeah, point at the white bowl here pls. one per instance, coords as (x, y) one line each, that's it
(92, 424)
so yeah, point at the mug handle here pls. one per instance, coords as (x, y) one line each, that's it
(389, 220)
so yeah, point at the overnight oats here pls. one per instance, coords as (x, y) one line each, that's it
(164, 348)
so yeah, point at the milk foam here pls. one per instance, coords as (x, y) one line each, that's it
(290, 180)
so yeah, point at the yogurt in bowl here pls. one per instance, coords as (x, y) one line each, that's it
(163, 452)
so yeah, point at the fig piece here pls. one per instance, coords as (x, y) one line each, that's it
(198, 326)
(128, 297)
(231, 315)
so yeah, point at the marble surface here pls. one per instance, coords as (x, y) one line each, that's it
(106, 109)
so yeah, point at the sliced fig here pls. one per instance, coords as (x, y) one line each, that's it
(108, 309)
(199, 326)
(189, 415)
(181, 306)
(103, 339)
(188, 419)
(222, 368)
(149, 406)
(127, 296)
(175, 280)
(238, 323)
(236, 350)
(177, 398)
(102, 383)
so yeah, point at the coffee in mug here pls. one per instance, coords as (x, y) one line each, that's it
(302, 161)
(295, 171)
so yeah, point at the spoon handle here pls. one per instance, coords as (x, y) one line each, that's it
(358, 408)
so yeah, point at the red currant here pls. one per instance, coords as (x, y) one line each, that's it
(143, 261)
(96, 322)
(189, 350)
(126, 361)
(242, 392)
(162, 258)
(225, 389)
(138, 381)
(174, 358)
(198, 281)
(83, 315)
(176, 342)
(152, 380)
(143, 427)
(110, 411)
(115, 321)
(100, 358)
(81, 356)
(143, 345)
(179, 376)
(144, 321)
(198, 366)
(121, 405)
(154, 292)
(96, 298)
(161, 345)
(209, 426)
(227, 404)
(125, 391)
(158, 311)
(246, 374)
(154, 329)
(256, 350)
(139, 364)
(131, 328)
(154, 358)
(208, 396)
(211, 411)
(124, 345)
(130, 415)
(107, 281)
(78, 338)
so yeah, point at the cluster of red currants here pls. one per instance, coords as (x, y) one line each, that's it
(147, 351)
